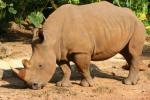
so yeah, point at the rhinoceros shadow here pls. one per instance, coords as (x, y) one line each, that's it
(76, 75)
(12, 81)
(15, 83)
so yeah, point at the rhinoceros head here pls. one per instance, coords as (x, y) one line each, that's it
(39, 69)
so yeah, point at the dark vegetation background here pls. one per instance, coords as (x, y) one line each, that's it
(24, 15)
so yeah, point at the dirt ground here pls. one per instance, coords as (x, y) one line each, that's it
(108, 77)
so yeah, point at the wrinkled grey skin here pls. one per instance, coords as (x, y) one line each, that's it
(80, 34)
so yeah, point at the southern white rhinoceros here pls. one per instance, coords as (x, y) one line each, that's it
(81, 33)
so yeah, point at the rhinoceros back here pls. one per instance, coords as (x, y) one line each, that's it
(100, 29)
(110, 28)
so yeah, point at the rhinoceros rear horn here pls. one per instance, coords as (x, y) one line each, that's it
(38, 36)
(26, 63)
(20, 73)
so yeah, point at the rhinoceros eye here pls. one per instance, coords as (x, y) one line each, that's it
(40, 65)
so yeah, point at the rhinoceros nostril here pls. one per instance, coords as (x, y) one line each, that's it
(35, 84)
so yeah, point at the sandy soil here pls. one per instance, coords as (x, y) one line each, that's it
(108, 77)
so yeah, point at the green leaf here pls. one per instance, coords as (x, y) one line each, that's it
(75, 1)
(2, 4)
(117, 2)
(36, 18)
(11, 5)
(12, 10)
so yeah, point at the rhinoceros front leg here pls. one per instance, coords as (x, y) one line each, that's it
(83, 63)
(65, 82)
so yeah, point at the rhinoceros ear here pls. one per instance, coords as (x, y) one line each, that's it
(38, 36)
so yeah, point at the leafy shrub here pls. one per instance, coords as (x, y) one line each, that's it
(60, 2)
(36, 18)
(20, 10)
(140, 7)
(7, 10)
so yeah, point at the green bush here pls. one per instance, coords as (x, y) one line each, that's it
(36, 18)
(21, 10)
(7, 11)
(18, 10)
(140, 7)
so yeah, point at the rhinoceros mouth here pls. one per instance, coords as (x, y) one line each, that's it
(21, 74)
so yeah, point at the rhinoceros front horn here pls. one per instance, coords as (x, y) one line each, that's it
(20, 73)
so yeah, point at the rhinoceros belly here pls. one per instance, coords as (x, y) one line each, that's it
(105, 48)
(110, 41)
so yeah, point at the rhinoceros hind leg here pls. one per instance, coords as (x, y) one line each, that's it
(134, 53)
(83, 63)
(129, 57)
(65, 82)
(133, 76)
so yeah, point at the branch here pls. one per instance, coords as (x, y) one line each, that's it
(53, 4)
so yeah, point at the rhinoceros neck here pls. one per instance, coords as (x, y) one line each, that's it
(52, 30)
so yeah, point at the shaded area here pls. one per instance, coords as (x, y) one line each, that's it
(16, 37)
(76, 75)
(13, 32)
(16, 83)
(146, 49)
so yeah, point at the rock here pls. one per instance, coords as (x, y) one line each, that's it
(118, 56)
(5, 70)
(14, 27)
(5, 51)
(147, 63)
(113, 74)
(6, 63)
(1, 74)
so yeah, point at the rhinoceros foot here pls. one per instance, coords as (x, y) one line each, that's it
(133, 77)
(128, 81)
(86, 83)
(64, 83)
